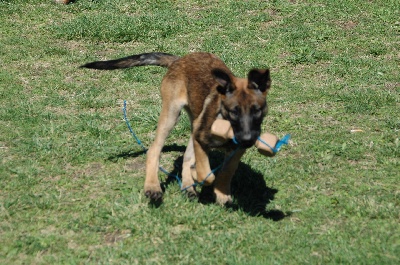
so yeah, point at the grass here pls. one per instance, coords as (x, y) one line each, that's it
(71, 176)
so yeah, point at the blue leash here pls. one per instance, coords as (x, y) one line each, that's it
(143, 147)
(284, 140)
(209, 174)
(130, 128)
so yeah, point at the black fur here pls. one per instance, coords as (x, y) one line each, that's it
(154, 58)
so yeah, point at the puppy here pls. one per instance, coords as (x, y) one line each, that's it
(203, 85)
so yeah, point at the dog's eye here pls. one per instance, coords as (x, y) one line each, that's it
(234, 113)
(256, 111)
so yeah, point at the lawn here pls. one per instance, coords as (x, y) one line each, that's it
(71, 174)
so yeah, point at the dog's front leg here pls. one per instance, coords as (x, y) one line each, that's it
(152, 186)
(204, 174)
(168, 118)
(222, 185)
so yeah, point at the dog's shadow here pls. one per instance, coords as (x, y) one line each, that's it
(249, 190)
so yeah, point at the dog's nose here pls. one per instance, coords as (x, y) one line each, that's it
(246, 137)
(245, 141)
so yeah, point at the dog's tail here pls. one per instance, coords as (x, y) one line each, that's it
(153, 58)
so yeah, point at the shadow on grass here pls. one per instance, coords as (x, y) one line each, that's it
(252, 195)
(129, 154)
(250, 192)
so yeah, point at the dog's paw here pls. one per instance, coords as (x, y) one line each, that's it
(153, 190)
(192, 195)
(154, 195)
(190, 190)
(223, 199)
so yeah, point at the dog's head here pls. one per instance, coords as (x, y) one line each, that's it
(244, 102)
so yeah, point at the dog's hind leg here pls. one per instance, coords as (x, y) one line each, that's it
(187, 170)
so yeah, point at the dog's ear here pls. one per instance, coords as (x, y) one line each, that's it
(259, 79)
(224, 81)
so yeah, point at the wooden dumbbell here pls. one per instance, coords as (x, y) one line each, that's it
(222, 131)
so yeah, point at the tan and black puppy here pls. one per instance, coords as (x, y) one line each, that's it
(204, 86)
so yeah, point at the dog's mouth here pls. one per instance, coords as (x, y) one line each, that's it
(247, 144)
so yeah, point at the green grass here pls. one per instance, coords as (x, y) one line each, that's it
(71, 175)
